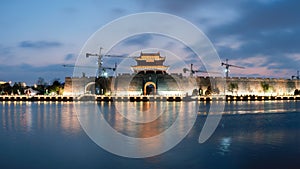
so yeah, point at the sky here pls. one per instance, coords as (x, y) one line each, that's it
(37, 36)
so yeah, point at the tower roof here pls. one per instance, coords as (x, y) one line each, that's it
(150, 57)
(149, 62)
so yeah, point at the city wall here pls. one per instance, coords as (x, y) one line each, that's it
(237, 86)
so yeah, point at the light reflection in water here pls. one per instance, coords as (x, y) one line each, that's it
(260, 138)
(252, 107)
(224, 146)
(28, 116)
(110, 129)
(165, 114)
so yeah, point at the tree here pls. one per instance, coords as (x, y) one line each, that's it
(5, 88)
(41, 82)
(208, 91)
(233, 87)
(216, 91)
(56, 87)
(41, 85)
(291, 85)
(265, 86)
(195, 92)
(297, 92)
(18, 88)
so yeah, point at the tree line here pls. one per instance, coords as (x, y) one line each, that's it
(41, 88)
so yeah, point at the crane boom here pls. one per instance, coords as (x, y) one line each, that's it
(227, 65)
(101, 69)
(192, 71)
(92, 67)
(233, 66)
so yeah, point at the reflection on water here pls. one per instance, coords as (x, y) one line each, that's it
(224, 145)
(108, 125)
(151, 118)
(249, 135)
(253, 107)
(25, 116)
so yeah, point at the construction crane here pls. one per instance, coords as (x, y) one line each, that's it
(101, 69)
(94, 67)
(192, 71)
(227, 65)
(296, 76)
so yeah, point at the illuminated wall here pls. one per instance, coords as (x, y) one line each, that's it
(79, 85)
(250, 86)
(176, 84)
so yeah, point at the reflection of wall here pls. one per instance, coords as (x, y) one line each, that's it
(27, 116)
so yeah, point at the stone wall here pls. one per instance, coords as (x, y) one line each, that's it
(81, 85)
(126, 84)
(249, 86)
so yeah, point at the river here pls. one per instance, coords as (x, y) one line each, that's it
(251, 134)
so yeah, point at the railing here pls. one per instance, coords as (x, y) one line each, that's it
(144, 98)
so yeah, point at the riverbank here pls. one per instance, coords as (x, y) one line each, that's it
(143, 98)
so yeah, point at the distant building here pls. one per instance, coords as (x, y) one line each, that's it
(2, 82)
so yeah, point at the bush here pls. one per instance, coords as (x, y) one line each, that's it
(297, 92)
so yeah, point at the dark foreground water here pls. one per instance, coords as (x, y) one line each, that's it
(249, 135)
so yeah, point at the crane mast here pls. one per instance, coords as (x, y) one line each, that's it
(100, 62)
(296, 76)
(192, 71)
(227, 65)
(101, 69)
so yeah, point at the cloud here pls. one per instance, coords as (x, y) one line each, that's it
(118, 11)
(263, 27)
(294, 56)
(69, 57)
(6, 54)
(39, 44)
(261, 66)
(262, 35)
(268, 29)
(138, 40)
(5, 50)
(172, 6)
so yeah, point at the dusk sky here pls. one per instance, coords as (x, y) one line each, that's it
(37, 37)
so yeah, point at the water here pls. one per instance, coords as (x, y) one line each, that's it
(249, 135)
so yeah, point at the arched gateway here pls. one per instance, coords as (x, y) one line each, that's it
(89, 88)
(149, 88)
